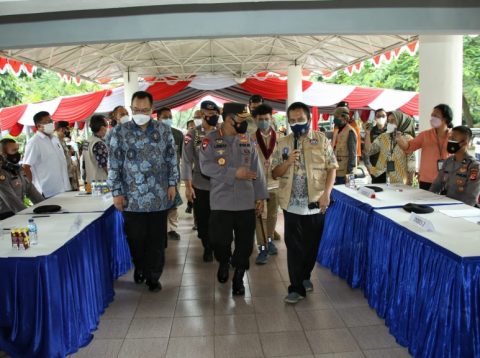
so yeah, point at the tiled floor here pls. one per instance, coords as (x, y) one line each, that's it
(195, 316)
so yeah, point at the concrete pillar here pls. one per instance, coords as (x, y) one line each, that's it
(294, 79)
(441, 75)
(130, 82)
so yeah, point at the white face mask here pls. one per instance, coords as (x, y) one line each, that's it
(48, 128)
(391, 127)
(435, 122)
(381, 120)
(197, 121)
(125, 119)
(141, 119)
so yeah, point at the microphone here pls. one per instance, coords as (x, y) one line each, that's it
(295, 142)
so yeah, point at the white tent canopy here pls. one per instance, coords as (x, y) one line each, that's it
(234, 57)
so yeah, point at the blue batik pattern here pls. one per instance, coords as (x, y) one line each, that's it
(142, 165)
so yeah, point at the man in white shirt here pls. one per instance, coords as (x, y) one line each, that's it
(44, 161)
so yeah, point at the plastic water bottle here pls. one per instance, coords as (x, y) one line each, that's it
(33, 231)
(94, 188)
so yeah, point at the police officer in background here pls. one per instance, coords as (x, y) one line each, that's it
(305, 165)
(253, 102)
(459, 178)
(345, 144)
(197, 186)
(14, 185)
(237, 192)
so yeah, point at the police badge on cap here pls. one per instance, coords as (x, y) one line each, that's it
(209, 105)
(233, 108)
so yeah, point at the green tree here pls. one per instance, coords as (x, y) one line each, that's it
(10, 90)
(471, 80)
(403, 74)
(42, 86)
(46, 85)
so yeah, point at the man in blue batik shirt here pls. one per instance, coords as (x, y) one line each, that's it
(143, 176)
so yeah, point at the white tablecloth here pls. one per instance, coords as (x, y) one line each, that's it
(55, 229)
(74, 202)
(53, 232)
(454, 234)
(397, 195)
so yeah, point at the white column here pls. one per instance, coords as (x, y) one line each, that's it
(441, 76)
(294, 82)
(130, 82)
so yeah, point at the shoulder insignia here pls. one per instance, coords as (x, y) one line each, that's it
(187, 138)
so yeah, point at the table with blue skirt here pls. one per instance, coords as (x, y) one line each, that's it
(54, 293)
(426, 285)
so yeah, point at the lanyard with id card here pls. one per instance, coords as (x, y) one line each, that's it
(390, 162)
(440, 164)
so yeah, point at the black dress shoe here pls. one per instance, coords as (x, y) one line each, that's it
(222, 274)
(173, 235)
(207, 255)
(138, 276)
(238, 289)
(154, 286)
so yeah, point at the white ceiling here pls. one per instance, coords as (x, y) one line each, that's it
(234, 57)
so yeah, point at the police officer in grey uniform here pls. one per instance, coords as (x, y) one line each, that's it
(197, 185)
(14, 185)
(237, 192)
(459, 177)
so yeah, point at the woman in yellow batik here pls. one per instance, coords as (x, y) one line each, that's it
(400, 167)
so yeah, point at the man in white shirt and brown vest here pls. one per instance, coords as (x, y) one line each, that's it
(305, 165)
(345, 145)
(95, 151)
(266, 139)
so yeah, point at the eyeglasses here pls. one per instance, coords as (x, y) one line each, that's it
(141, 110)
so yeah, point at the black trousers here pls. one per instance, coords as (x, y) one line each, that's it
(424, 185)
(302, 238)
(223, 226)
(201, 210)
(146, 236)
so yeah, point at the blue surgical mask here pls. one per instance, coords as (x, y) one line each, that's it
(263, 124)
(300, 128)
(168, 121)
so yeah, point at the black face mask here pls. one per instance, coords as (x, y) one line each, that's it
(212, 120)
(67, 134)
(9, 166)
(240, 127)
(13, 158)
(453, 146)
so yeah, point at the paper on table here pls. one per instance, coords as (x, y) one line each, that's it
(473, 219)
(462, 213)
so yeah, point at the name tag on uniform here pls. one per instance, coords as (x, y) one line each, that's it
(421, 222)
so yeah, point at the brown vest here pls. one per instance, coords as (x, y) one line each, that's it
(314, 148)
(341, 150)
